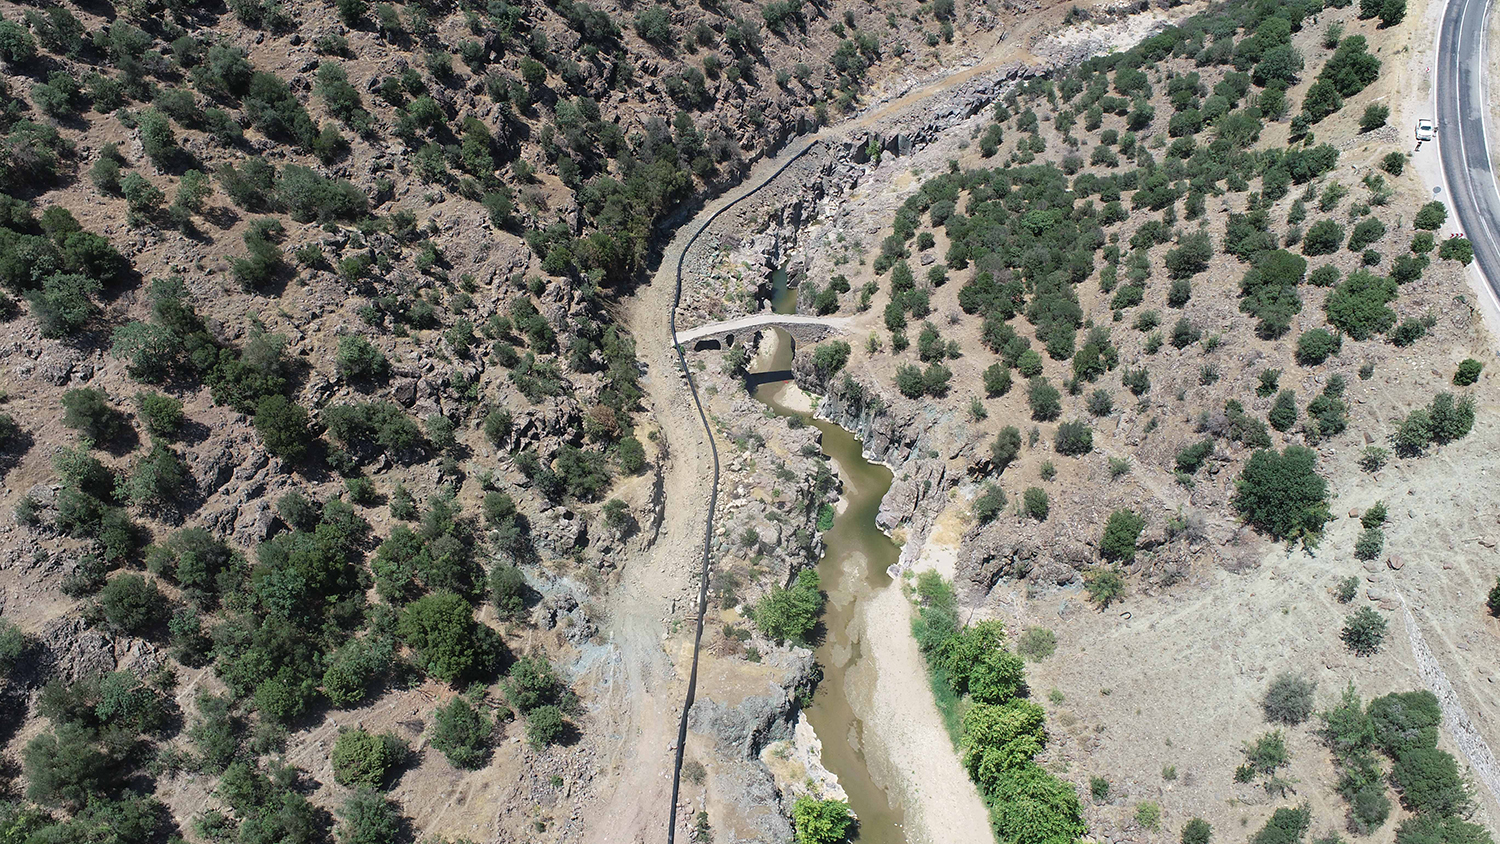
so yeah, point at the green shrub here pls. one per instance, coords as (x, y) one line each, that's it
(157, 138)
(1403, 721)
(1006, 447)
(1322, 238)
(358, 360)
(1374, 117)
(1044, 399)
(1285, 826)
(1316, 345)
(1104, 586)
(1035, 503)
(1358, 306)
(1283, 413)
(1366, 231)
(356, 666)
(283, 427)
(1430, 217)
(1191, 458)
(1148, 815)
(1289, 699)
(1429, 782)
(989, 504)
(1282, 494)
(365, 760)
(1467, 373)
(1436, 829)
(372, 425)
(88, 411)
(545, 726)
(133, 604)
(63, 306)
(1269, 291)
(462, 734)
(1458, 249)
(1036, 643)
(368, 817)
(1370, 543)
(1364, 632)
(829, 358)
(309, 197)
(1074, 438)
(450, 644)
(1099, 788)
(1121, 532)
(162, 416)
(1196, 831)
(791, 614)
(157, 477)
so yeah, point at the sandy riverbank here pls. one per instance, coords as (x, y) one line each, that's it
(906, 742)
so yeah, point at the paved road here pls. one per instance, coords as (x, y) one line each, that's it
(754, 321)
(1462, 145)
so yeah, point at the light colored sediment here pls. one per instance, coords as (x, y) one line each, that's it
(903, 726)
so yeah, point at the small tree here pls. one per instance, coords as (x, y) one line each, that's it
(1494, 599)
(1364, 632)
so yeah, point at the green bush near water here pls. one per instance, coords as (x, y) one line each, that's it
(980, 691)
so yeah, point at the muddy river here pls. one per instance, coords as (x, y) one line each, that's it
(853, 567)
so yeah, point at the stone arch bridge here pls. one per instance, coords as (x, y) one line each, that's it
(803, 329)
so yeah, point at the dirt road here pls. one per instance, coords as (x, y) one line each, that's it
(647, 681)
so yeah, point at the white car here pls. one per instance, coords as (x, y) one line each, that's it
(1424, 130)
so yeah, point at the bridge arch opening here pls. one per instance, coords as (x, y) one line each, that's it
(707, 344)
(728, 340)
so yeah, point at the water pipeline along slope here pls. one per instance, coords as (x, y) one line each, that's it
(792, 154)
